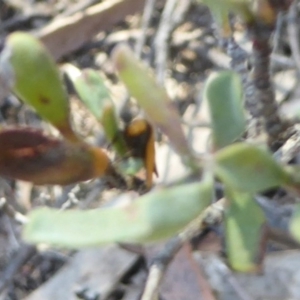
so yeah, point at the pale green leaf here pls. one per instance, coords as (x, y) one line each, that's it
(224, 94)
(221, 9)
(244, 229)
(37, 80)
(151, 97)
(92, 90)
(152, 217)
(90, 86)
(249, 168)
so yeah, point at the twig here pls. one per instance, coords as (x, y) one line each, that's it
(293, 34)
(158, 268)
(148, 12)
(278, 31)
(94, 19)
(172, 15)
(23, 255)
(160, 43)
(263, 95)
(290, 148)
(21, 20)
(72, 198)
(11, 212)
(222, 61)
(239, 60)
(78, 7)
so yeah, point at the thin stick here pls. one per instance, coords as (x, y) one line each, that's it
(23, 255)
(148, 12)
(11, 212)
(172, 15)
(293, 34)
(160, 43)
(159, 267)
(263, 90)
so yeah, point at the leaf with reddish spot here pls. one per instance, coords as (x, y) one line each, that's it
(27, 154)
(36, 80)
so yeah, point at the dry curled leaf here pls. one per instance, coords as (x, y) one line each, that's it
(27, 154)
(139, 137)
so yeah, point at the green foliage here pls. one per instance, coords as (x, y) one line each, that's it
(249, 168)
(151, 97)
(243, 168)
(37, 80)
(152, 217)
(224, 94)
(130, 166)
(244, 229)
(221, 9)
(91, 89)
(93, 92)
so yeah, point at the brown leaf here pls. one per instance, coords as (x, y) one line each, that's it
(86, 24)
(27, 154)
(139, 137)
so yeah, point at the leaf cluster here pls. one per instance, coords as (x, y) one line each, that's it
(244, 169)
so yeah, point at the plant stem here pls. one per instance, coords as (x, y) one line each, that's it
(263, 96)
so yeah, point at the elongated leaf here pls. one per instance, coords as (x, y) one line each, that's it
(91, 89)
(112, 130)
(249, 168)
(244, 229)
(37, 80)
(152, 217)
(29, 155)
(223, 91)
(249, 10)
(221, 15)
(151, 97)
(221, 9)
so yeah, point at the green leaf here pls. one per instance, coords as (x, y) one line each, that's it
(130, 166)
(244, 221)
(221, 9)
(224, 94)
(294, 183)
(151, 97)
(152, 217)
(295, 223)
(249, 168)
(91, 89)
(37, 80)
(112, 131)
